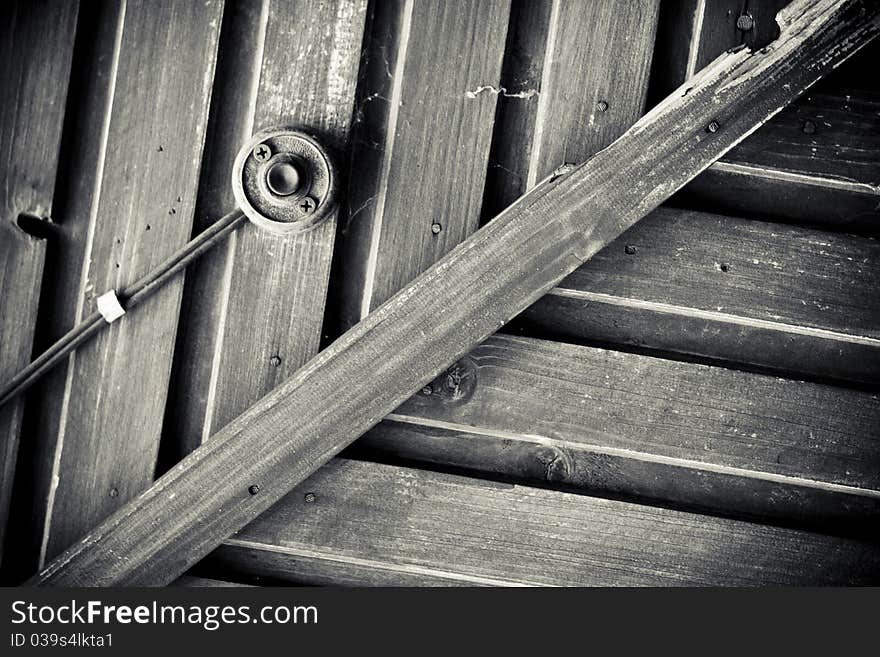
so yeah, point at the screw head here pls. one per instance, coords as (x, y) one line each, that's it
(602, 106)
(745, 23)
(309, 498)
(307, 205)
(713, 126)
(253, 489)
(283, 179)
(809, 127)
(261, 152)
(436, 228)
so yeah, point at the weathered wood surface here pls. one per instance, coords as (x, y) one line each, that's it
(455, 304)
(357, 523)
(788, 299)
(284, 64)
(191, 581)
(100, 428)
(692, 33)
(575, 78)
(91, 87)
(816, 162)
(425, 116)
(669, 432)
(34, 83)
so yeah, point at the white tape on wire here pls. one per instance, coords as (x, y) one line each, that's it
(109, 307)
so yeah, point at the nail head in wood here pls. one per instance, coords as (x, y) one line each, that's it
(745, 23)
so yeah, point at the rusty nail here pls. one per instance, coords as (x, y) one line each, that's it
(630, 249)
(310, 497)
(261, 152)
(713, 126)
(307, 204)
(602, 106)
(254, 489)
(745, 23)
(275, 361)
(436, 228)
(809, 127)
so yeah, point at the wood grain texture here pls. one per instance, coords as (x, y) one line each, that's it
(280, 70)
(779, 196)
(425, 118)
(457, 303)
(815, 163)
(91, 86)
(190, 581)
(34, 83)
(690, 34)
(783, 298)
(102, 449)
(575, 79)
(374, 524)
(668, 432)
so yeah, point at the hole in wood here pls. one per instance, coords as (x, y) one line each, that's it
(39, 227)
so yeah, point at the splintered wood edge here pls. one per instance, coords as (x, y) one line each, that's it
(403, 349)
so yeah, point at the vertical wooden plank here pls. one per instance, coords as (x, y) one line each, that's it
(517, 110)
(202, 308)
(91, 84)
(594, 82)
(34, 81)
(594, 63)
(297, 66)
(426, 113)
(691, 33)
(104, 439)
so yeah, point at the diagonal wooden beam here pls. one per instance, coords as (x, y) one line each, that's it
(458, 302)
